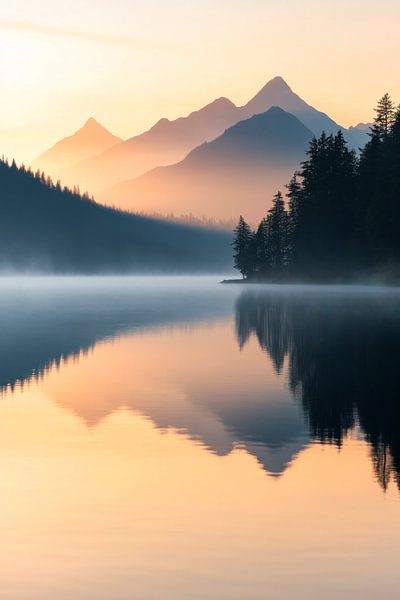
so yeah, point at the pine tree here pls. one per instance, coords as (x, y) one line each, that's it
(277, 224)
(378, 193)
(263, 252)
(385, 116)
(293, 219)
(244, 249)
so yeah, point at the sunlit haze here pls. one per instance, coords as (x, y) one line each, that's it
(128, 63)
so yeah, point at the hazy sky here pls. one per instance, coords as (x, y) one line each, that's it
(129, 62)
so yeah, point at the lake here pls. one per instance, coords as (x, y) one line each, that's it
(176, 439)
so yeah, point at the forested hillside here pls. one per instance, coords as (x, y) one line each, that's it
(44, 227)
(341, 220)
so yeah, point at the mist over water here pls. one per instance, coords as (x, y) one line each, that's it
(175, 438)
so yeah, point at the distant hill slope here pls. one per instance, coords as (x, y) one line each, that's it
(44, 228)
(89, 140)
(165, 143)
(238, 172)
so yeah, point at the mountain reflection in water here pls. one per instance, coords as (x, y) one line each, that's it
(333, 368)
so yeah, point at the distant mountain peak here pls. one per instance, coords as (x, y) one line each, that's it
(89, 140)
(93, 126)
(91, 122)
(278, 83)
(278, 93)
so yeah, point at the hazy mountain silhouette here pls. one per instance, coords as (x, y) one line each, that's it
(361, 127)
(277, 93)
(46, 228)
(165, 143)
(89, 140)
(240, 170)
(168, 142)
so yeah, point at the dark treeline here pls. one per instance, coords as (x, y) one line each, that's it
(341, 352)
(46, 227)
(341, 216)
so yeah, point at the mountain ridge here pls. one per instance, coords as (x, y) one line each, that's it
(245, 164)
(170, 141)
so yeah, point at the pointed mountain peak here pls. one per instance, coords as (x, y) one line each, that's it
(277, 83)
(90, 139)
(274, 91)
(91, 121)
(92, 125)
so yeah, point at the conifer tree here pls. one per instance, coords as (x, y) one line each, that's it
(244, 249)
(385, 116)
(263, 253)
(293, 218)
(277, 223)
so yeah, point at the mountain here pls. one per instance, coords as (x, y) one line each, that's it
(220, 404)
(361, 127)
(167, 142)
(236, 173)
(44, 228)
(359, 134)
(89, 140)
(277, 93)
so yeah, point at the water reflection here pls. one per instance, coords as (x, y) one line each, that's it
(332, 370)
(342, 349)
(179, 365)
(43, 321)
(136, 441)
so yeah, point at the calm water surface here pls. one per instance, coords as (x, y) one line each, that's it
(178, 439)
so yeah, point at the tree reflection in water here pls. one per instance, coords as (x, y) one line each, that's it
(342, 350)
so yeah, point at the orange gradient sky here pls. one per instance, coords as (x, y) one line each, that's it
(128, 62)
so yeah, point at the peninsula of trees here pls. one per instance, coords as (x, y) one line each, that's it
(341, 217)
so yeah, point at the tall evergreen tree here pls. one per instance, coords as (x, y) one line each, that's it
(293, 218)
(378, 193)
(263, 253)
(277, 221)
(244, 249)
(385, 116)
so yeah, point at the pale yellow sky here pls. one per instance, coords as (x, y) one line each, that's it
(129, 62)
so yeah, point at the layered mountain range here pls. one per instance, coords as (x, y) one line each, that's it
(216, 161)
(237, 172)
